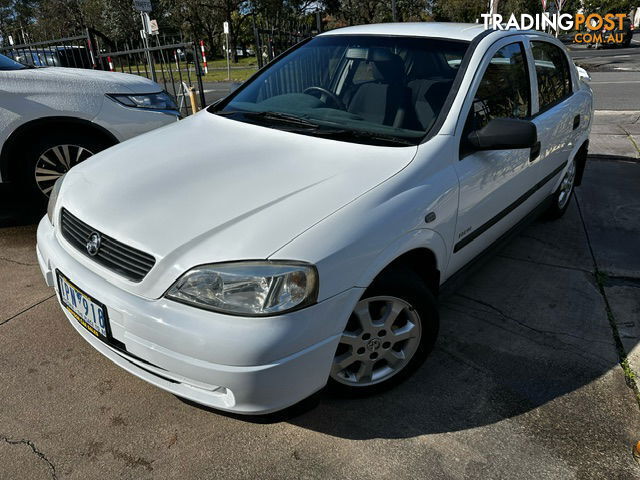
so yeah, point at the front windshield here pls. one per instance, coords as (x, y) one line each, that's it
(7, 64)
(382, 86)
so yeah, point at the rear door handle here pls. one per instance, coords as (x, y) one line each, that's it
(576, 121)
(535, 152)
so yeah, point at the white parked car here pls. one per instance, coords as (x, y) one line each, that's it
(299, 231)
(54, 118)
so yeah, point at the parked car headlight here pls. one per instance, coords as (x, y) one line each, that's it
(150, 101)
(53, 198)
(256, 288)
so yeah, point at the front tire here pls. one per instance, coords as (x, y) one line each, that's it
(51, 155)
(388, 336)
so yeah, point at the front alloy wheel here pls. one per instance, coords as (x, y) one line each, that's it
(47, 156)
(55, 162)
(391, 331)
(382, 336)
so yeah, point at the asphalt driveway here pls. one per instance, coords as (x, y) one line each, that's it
(526, 380)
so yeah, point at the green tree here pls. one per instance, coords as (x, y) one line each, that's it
(459, 10)
(608, 6)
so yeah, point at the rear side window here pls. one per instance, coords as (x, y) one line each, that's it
(504, 91)
(552, 72)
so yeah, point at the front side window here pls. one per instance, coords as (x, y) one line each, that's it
(552, 72)
(504, 90)
(367, 89)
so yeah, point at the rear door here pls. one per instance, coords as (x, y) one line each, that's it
(492, 182)
(557, 113)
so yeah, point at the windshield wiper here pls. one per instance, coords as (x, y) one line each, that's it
(311, 128)
(269, 115)
(361, 135)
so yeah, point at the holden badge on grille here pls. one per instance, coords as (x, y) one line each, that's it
(93, 244)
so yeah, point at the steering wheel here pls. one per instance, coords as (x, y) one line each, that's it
(327, 93)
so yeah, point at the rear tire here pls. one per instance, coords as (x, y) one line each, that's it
(562, 196)
(51, 155)
(388, 336)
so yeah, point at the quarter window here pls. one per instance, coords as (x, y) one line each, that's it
(504, 91)
(552, 72)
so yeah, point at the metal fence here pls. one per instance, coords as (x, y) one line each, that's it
(74, 51)
(271, 43)
(176, 66)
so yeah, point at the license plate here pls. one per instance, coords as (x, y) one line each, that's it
(90, 313)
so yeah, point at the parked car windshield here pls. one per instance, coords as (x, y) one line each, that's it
(356, 88)
(8, 64)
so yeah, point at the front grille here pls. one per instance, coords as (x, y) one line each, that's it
(112, 254)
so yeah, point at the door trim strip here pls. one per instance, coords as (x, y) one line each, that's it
(487, 225)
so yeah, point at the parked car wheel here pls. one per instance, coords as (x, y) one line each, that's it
(51, 156)
(563, 194)
(390, 333)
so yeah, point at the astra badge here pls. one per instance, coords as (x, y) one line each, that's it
(93, 244)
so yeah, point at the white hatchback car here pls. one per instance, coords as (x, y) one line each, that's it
(54, 118)
(299, 231)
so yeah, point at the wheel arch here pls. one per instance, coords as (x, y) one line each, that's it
(33, 127)
(421, 261)
(423, 252)
(581, 161)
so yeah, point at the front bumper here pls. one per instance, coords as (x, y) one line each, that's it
(237, 364)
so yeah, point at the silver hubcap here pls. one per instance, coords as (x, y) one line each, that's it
(382, 335)
(567, 185)
(57, 161)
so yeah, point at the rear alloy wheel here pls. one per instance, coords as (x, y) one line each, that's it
(563, 193)
(389, 334)
(566, 186)
(55, 162)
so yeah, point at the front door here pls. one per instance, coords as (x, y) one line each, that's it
(492, 182)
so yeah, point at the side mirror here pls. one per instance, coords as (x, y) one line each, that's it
(504, 134)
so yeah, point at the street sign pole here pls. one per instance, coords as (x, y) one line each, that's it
(145, 40)
(144, 7)
(225, 27)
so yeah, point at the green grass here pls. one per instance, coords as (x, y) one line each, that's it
(217, 70)
(242, 62)
(237, 75)
(629, 375)
(239, 71)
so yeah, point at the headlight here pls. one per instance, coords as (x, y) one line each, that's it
(256, 288)
(53, 198)
(150, 101)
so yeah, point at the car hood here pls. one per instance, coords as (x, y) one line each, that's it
(62, 79)
(210, 189)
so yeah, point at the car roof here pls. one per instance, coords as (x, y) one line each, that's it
(453, 31)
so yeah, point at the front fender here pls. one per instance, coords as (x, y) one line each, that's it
(424, 238)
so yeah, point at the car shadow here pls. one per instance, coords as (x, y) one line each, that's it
(18, 209)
